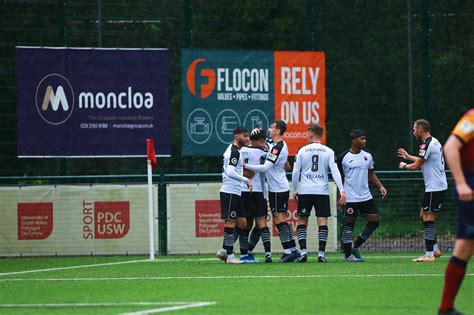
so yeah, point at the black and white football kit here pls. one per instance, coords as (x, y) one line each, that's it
(434, 174)
(232, 178)
(312, 164)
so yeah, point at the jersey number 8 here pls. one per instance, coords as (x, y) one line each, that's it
(314, 163)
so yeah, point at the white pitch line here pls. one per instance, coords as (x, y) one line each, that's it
(74, 267)
(171, 308)
(91, 304)
(105, 264)
(229, 277)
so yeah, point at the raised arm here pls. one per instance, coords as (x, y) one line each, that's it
(404, 155)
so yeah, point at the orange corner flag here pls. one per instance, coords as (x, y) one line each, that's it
(150, 151)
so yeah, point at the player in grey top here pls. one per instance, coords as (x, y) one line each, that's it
(312, 164)
(231, 203)
(357, 168)
(279, 188)
(430, 160)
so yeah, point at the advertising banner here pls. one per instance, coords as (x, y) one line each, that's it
(84, 102)
(75, 220)
(225, 88)
(195, 225)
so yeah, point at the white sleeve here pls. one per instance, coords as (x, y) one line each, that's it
(295, 177)
(232, 173)
(335, 174)
(260, 168)
(265, 190)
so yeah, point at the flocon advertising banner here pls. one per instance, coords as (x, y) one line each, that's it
(75, 220)
(83, 102)
(225, 88)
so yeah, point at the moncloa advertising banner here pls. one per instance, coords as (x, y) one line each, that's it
(225, 88)
(84, 102)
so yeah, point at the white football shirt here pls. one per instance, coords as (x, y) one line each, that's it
(354, 169)
(254, 156)
(312, 163)
(433, 170)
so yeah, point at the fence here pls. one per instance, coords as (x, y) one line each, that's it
(387, 62)
(400, 229)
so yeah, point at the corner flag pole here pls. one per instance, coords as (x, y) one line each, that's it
(151, 164)
(150, 211)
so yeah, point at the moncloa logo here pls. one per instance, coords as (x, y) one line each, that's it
(54, 107)
(55, 99)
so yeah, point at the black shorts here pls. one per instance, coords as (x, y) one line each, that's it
(279, 201)
(354, 209)
(432, 201)
(319, 202)
(254, 205)
(231, 206)
(465, 217)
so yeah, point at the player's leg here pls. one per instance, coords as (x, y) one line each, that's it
(230, 205)
(350, 215)
(244, 224)
(430, 207)
(463, 251)
(304, 210)
(260, 213)
(368, 209)
(279, 207)
(323, 212)
(455, 272)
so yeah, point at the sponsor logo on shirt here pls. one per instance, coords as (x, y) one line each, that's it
(422, 152)
(272, 157)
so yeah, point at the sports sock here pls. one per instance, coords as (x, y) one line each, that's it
(347, 238)
(265, 233)
(229, 240)
(301, 233)
(253, 238)
(244, 241)
(284, 236)
(369, 228)
(323, 237)
(429, 235)
(453, 278)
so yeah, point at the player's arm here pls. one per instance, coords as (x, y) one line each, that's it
(337, 179)
(260, 168)
(231, 171)
(404, 155)
(413, 166)
(375, 180)
(452, 155)
(295, 177)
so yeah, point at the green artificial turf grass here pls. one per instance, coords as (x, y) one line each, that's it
(258, 288)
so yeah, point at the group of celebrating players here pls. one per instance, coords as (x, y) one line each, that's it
(252, 158)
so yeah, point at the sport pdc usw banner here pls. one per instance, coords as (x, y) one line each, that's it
(75, 220)
(225, 88)
(83, 102)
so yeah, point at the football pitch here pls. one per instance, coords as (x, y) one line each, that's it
(383, 284)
